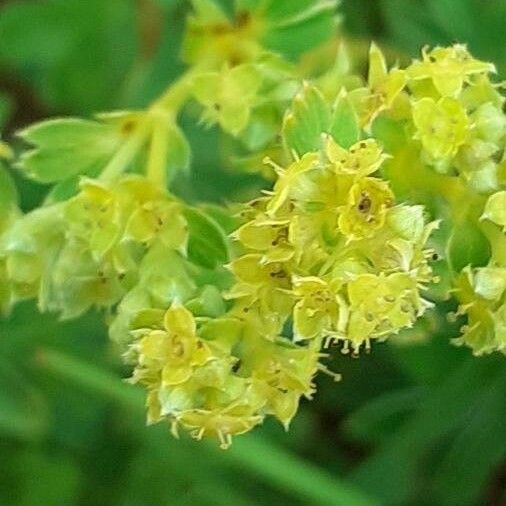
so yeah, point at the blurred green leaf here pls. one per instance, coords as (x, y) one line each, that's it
(207, 243)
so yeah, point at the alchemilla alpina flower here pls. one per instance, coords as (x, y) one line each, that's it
(386, 196)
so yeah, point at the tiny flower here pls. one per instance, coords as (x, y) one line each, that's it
(381, 305)
(228, 95)
(361, 159)
(222, 423)
(317, 308)
(93, 215)
(442, 126)
(365, 212)
(174, 350)
(158, 219)
(448, 68)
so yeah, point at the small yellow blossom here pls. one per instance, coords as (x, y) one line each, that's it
(365, 212)
(442, 126)
(448, 68)
(361, 159)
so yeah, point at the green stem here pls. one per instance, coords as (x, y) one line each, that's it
(173, 99)
(128, 151)
(157, 161)
(280, 468)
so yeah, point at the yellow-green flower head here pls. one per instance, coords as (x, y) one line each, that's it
(448, 68)
(228, 96)
(381, 305)
(361, 159)
(281, 374)
(263, 290)
(365, 212)
(318, 308)
(93, 215)
(28, 247)
(174, 350)
(78, 282)
(442, 126)
(161, 220)
(482, 294)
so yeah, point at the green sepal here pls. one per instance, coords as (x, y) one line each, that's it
(308, 117)
(149, 318)
(344, 126)
(207, 243)
(467, 245)
(208, 303)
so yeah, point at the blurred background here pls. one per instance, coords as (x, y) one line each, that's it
(417, 422)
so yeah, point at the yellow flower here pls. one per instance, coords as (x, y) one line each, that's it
(228, 96)
(158, 219)
(317, 308)
(262, 291)
(448, 68)
(364, 213)
(361, 159)
(175, 350)
(442, 126)
(381, 305)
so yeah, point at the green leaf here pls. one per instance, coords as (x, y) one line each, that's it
(299, 25)
(307, 119)
(8, 193)
(66, 147)
(467, 245)
(344, 125)
(207, 243)
(384, 414)
(476, 451)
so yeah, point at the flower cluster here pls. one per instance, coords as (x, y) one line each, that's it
(338, 253)
(85, 251)
(443, 116)
(330, 251)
